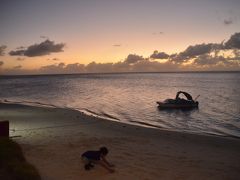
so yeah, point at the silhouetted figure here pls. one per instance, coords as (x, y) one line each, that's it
(188, 96)
(97, 157)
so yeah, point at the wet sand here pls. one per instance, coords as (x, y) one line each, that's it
(53, 140)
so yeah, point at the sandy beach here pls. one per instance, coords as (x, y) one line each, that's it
(53, 140)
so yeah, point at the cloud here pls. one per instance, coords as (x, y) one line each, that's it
(1, 63)
(158, 33)
(236, 53)
(20, 59)
(192, 52)
(227, 22)
(44, 48)
(17, 67)
(53, 59)
(44, 37)
(17, 53)
(206, 59)
(53, 69)
(154, 66)
(62, 68)
(117, 45)
(99, 67)
(216, 63)
(159, 55)
(233, 42)
(121, 67)
(143, 65)
(75, 68)
(20, 48)
(133, 58)
(2, 50)
(199, 49)
(93, 67)
(210, 56)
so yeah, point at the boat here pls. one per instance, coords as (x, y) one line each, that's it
(179, 103)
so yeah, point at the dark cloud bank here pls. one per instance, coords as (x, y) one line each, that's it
(44, 48)
(200, 57)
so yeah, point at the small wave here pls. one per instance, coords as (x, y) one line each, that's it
(146, 124)
(34, 103)
(100, 115)
(89, 112)
(109, 116)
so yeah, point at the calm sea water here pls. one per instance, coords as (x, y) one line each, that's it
(131, 98)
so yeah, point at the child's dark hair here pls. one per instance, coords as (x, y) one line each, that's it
(103, 150)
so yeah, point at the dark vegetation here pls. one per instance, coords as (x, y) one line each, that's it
(13, 165)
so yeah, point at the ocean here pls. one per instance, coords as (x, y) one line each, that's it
(131, 98)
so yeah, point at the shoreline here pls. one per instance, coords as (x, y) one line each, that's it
(92, 114)
(54, 139)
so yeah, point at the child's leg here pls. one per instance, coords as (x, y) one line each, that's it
(87, 163)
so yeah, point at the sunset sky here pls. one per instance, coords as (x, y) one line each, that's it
(67, 36)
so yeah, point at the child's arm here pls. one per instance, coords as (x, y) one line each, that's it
(105, 164)
(105, 161)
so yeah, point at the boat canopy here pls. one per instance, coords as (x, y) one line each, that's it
(188, 96)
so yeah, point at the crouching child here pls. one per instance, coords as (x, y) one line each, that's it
(90, 158)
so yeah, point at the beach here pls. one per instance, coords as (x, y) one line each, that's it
(53, 140)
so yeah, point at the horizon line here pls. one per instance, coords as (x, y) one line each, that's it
(89, 73)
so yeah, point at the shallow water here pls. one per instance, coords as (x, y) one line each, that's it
(131, 98)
